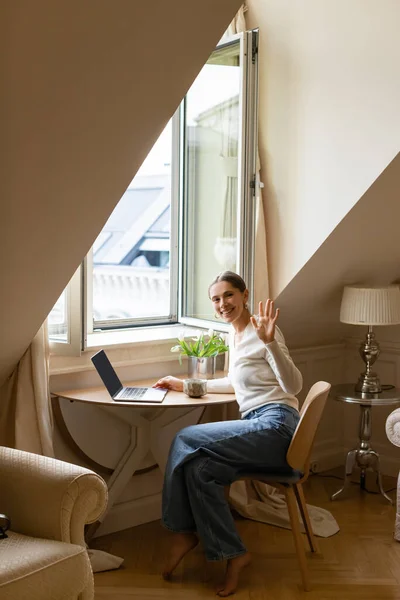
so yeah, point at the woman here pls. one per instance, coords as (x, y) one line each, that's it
(205, 458)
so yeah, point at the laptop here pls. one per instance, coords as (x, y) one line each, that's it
(115, 388)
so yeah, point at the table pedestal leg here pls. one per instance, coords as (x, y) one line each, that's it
(152, 430)
(363, 456)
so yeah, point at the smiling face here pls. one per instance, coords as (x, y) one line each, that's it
(228, 301)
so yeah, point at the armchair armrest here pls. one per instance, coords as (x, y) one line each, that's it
(393, 427)
(49, 498)
(393, 434)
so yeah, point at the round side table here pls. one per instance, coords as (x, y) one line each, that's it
(364, 456)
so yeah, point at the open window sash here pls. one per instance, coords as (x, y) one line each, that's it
(218, 176)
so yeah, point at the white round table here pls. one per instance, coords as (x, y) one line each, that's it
(152, 428)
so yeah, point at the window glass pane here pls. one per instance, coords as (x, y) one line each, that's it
(58, 320)
(212, 123)
(131, 255)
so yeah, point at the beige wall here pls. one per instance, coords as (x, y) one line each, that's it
(328, 129)
(329, 115)
(363, 248)
(86, 89)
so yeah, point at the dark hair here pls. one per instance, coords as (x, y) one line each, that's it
(233, 278)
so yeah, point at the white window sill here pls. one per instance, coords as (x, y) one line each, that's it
(142, 335)
(124, 347)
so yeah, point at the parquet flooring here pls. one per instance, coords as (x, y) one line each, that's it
(362, 561)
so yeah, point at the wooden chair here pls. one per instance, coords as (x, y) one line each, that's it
(298, 458)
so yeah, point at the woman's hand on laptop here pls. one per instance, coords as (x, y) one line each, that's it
(170, 383)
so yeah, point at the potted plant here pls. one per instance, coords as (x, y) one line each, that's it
(201, 351)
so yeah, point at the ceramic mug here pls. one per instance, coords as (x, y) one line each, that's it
(195, 388)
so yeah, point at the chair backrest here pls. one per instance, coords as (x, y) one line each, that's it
(299, 452)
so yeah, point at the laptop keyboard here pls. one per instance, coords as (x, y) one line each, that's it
(134, 393)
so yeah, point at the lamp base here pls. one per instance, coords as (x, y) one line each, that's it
(368, 383)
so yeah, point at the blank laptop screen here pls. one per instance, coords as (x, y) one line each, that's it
(106, 372)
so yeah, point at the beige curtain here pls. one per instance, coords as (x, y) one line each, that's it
(26, 421)
(238, 24)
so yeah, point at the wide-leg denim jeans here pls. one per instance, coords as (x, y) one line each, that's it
(205, 458)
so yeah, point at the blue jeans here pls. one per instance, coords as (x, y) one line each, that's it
(205, 458)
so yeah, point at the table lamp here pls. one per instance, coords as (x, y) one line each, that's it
(370, 306)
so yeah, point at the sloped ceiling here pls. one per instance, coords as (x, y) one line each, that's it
(86, 89)
(364, 248)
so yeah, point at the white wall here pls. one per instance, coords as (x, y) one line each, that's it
(329, 115)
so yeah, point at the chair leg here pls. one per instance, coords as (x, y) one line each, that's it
(294, 521)
(301, 501)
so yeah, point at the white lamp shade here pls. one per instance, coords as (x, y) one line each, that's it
(370, 306)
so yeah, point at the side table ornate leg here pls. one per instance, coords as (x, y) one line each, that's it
(361, 454)
(350, 462)
(377, 469)
(365, 432)
(367, 457)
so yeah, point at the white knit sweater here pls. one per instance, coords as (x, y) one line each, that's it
(259, 373)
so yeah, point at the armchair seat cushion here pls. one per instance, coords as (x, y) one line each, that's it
(35, 568)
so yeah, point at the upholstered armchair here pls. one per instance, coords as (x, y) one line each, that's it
(49, 502)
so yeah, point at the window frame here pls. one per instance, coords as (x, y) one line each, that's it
(75, 319)
(79, 290)
(173, 259)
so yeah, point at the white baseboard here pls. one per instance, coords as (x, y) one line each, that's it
(130, 514)
(327, 460)
(327, 454)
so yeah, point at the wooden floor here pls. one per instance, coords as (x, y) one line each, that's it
(362, 561)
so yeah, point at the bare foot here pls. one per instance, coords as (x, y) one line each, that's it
(182, 543)
(233, 569)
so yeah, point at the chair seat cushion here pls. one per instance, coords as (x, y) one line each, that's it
(284, 478)
(34, 568)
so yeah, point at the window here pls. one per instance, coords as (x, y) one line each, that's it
(187, 214)
(128, 268)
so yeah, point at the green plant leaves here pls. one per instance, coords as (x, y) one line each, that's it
(202, 346)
